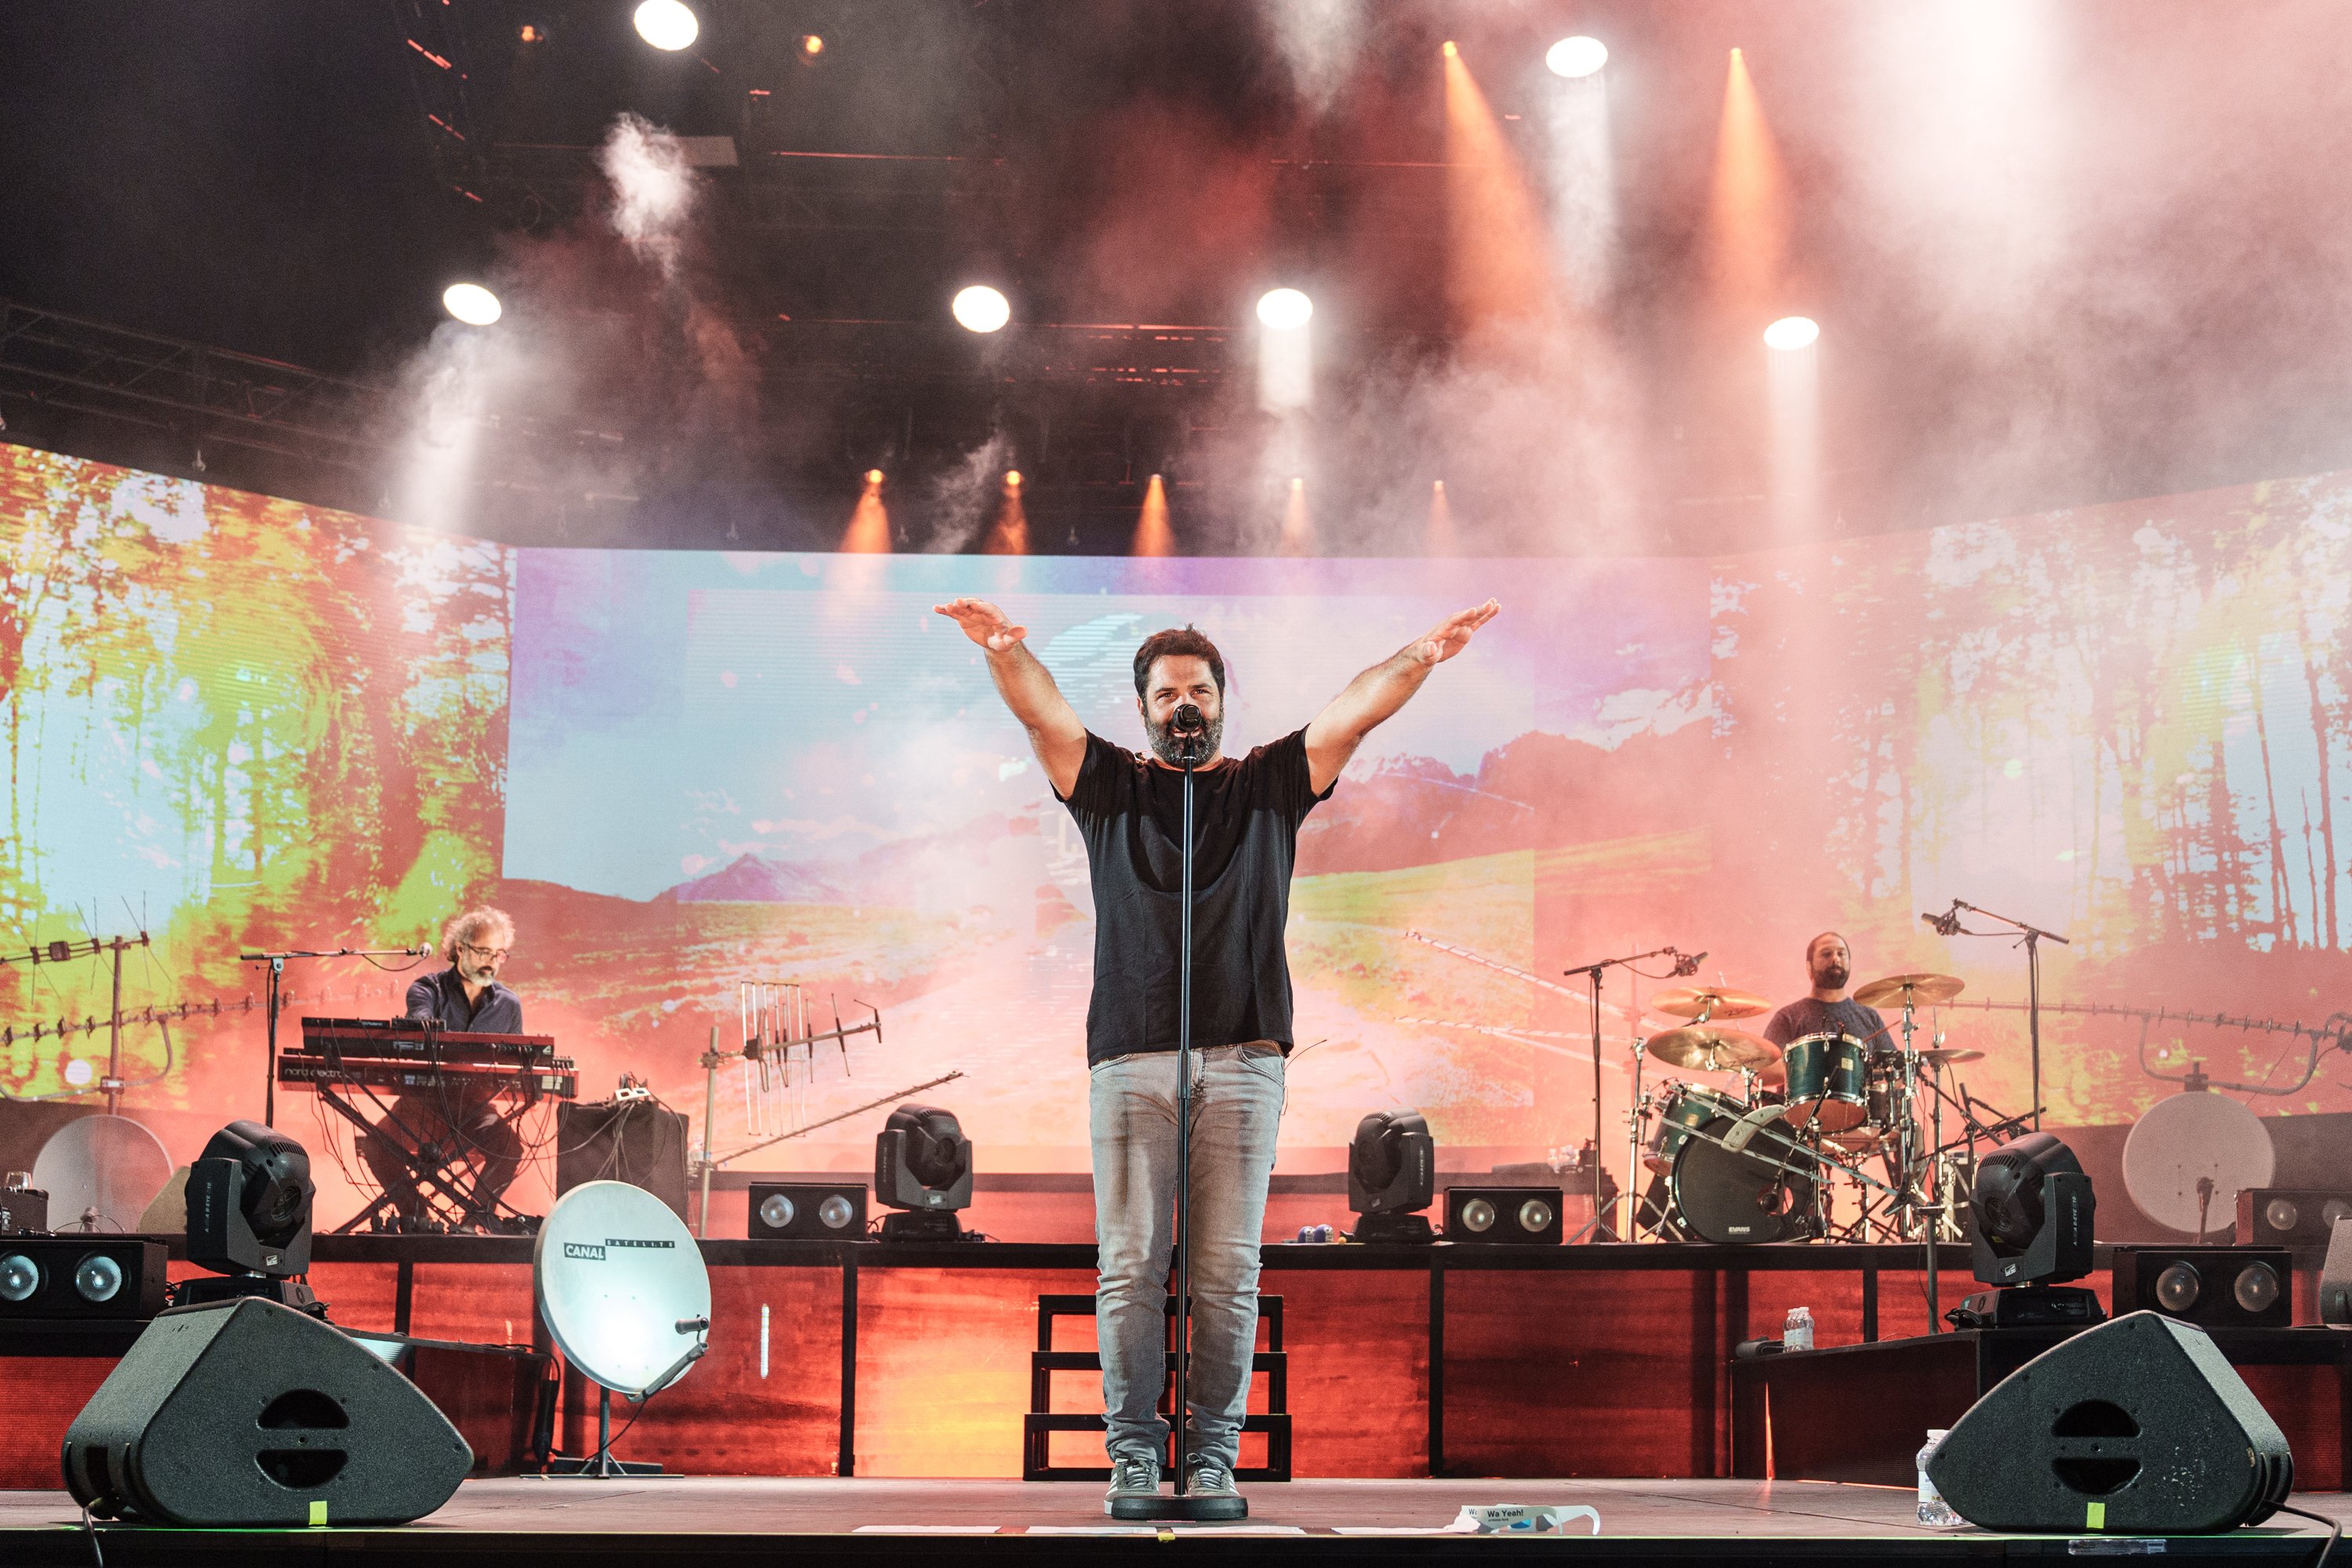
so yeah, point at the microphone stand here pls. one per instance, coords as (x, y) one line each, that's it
(277, 961)
(2033, 935)
(1592, 972)
(1183, 1504)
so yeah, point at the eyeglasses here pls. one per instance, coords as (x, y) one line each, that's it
(483, 951)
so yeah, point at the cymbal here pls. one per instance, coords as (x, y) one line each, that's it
(1706, 1048)
(1925, 990)
(1692, 1001)
(1952, 1054)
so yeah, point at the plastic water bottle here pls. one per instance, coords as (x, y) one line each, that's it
(1798, 1334)
(1933, 1508)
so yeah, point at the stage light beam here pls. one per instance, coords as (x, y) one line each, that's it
(1284, 309)
(1499, 268)
(1577, 56)
(1153, 535)
(666, 24)
(981, 308)
(869, 525)
(472, 304)
(1010, 535)
(1792, 332)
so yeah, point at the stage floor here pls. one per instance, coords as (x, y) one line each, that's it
(519, 1523)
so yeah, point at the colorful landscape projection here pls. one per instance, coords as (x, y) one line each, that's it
(250, 724)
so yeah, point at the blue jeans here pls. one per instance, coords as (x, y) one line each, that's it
(1237, 1107)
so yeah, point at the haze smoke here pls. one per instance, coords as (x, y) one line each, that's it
(653, 190)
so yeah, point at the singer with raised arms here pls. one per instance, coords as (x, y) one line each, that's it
(1128, 808)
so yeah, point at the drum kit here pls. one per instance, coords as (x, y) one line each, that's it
(1826, 1112)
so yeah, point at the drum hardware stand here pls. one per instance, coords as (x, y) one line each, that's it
(1684, 963)
(1637, 1116)
(273, 1001)
(2032, 936)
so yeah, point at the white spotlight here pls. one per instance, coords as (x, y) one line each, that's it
(1577, 56)
(1284, 309)
(981, 308)
(666, 24)
(471, 303)
(1792, 333)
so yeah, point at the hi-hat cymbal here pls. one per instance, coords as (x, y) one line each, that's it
(1700, 1001)
(1705, 1048)
(1924, 990)
(1951, 1054)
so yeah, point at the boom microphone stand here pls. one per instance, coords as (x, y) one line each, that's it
(277, 961)
(1191, 732)
(1950, 925)
(1592, 972)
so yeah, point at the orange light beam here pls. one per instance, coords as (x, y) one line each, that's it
(869, 525)
(1010, 535)
(1297, 527)
(1153, 535)
(1499, 271)
(1440, 540)
(1748, 208)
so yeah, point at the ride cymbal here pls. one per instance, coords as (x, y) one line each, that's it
(1705, 1048)
(1924, 990)
(1705, 1001)
(1951, 1054)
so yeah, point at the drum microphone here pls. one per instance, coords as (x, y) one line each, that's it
(1686, 963)
(1945, 924)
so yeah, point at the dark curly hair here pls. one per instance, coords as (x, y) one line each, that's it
(1172, 643)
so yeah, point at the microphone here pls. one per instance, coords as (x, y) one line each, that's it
(1186, 720)
(1945, 924)
(1686, 963)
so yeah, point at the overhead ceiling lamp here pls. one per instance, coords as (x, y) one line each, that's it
(1577, 56)
(981, 308)
(666, 24)
(1284, 309)
(472, 304)
(1792, 332)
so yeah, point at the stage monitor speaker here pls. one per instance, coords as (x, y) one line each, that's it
(635, 1140)
(1527, 1216)
(808, 1211)
(2216, 1286)
(80, 1276)
(246, 1413)
(2336, 1278)
(2290, 1216)
(2138, 1426)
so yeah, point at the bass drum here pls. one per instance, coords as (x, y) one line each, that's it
(1744, 1182)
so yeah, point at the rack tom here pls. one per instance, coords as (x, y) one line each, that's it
(1829, 1081)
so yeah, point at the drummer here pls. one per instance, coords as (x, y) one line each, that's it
(1827, 1009)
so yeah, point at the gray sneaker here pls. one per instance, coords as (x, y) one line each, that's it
(1132, 1477)
(1211, 1478)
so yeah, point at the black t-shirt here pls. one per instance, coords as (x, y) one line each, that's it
(1246, 818)
(442, 995)
(1808, 1016)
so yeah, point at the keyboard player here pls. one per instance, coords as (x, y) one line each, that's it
(468, 997)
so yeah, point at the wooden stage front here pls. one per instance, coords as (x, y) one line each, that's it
(713, 1522)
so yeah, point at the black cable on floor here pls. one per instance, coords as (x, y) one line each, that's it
(2335, 1530)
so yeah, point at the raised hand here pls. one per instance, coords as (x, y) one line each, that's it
(1451, 635)
(983, 623)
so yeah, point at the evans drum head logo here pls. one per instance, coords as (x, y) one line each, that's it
(593, 1253)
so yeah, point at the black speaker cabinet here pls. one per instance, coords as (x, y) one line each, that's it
(632, 1141)
(248, 1413)
(80, 1276)
(2217, 1286)
(808, 1211)
(2290, 1216)
(1527, 1216)
(2138, 1426)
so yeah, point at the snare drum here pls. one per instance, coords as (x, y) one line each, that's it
(1681, 1108)
(1828, 1081)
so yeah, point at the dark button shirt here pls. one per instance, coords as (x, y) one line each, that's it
(442, 998)
(1246, 818)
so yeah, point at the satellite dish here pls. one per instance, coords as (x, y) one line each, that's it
(109, 1164)
(2196, 1136)
(620, 1281)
